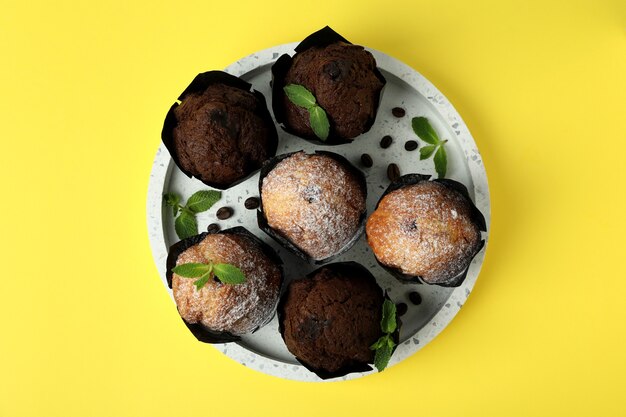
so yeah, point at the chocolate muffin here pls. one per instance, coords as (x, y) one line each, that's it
(427, 231)
(220, 312)
(312, 203)
(342, 77)
(330, 319)
(221, 131)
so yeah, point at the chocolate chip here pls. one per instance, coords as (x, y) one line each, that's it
(410, 145)
(415, 298)
(393, 172)
(401, 309)
(366, 160)
(333, 70)
(213, 228)
(385, 142)
(251, 203)
(216, 279)
(398, 112)
(224, 213)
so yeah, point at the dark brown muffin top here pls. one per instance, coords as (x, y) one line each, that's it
(342, 79)
(220, 136)
(425, 230)
(331, 319)
(313, 201)
(237, 309)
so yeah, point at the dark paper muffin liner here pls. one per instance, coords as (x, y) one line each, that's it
(201, 332)
(321, 38)
(198, 85)
(476, 217)
(345, 268)
(269, 165)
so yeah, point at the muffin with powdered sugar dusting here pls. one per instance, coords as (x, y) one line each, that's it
(426, 231)
(312, 203)
(220, 309)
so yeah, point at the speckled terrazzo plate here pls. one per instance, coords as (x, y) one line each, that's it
(264, 350)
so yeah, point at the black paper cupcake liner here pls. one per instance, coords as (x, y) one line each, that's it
(198, 85)
(201, 332)
(269, 165)
(321, 38)
(476, 217)
(342, 268)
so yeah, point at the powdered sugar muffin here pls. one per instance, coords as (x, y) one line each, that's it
(218, 307)
(315, 202)
(427, 230)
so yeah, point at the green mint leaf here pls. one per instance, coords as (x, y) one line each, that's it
(186, 225)
(382, 356)
(172, 200)
(319, 122)
(424, 130)
(381, 341)
(441, 160)
(191, 270)
(202, 200)
(427, 151)
(299, 95)
(229, 274)
(388, 322)
(202, 281)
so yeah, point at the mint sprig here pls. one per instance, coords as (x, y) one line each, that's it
(226, 273)
(186, 224)
(301, 97)
(425, 131)
(385, 344)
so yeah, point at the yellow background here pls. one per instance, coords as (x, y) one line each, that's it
(86, 328)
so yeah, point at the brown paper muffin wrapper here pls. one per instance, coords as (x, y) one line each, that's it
(340, 268)
(321, 38)
(476, 216)
(286, 243)
(198, 85)
(201, 332)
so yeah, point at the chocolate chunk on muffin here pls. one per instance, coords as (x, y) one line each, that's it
(314, 204)
(221, 131)
(219, 312)
(343, 78)
(427, 231)
(330, 319)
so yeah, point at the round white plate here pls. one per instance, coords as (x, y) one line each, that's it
(264, 350)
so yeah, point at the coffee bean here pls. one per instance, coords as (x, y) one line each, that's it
(366, 160)
(385, 142)
(415, 298)
(401, 309)
(410, 145)
(398, 112)
(213, 228)
(251, 203)
(393, 172)
(224, 213)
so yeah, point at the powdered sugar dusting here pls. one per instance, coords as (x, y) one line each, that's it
(424, 229)
(314, 201)
(237, 309)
